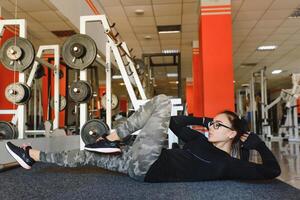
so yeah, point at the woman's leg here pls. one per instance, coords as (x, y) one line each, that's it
(140, 117)
(77, 158)
(150, 141)
(153, 120)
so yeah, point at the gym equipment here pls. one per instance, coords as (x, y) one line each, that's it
(17, 54)
(114, 101)
(79, 51)
(8, 131)
(62, 103)
(140, 66)
(40, 72)
(7, 166)
(18, 93)
(80, 91)
(289, 96)
(92, 130)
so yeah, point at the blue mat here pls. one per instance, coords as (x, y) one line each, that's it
(46, 181)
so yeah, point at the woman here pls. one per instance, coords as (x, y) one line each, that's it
(147, 160)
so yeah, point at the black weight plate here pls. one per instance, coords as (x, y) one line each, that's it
(79, 60)
(92, 130)
(80, 91)
(17, 54)
(7, 131)
(18, 93)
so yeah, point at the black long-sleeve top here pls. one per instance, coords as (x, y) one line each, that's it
(200, 160)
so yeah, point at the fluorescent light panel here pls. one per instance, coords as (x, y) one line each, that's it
(169, 29)
(162, 32)
(277, 71)
(115, 77)
(266, 48)
(167, 51)
(172, 75)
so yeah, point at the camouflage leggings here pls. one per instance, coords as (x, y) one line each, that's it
(153, 121)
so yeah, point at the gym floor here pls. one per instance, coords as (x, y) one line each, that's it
(288, 155)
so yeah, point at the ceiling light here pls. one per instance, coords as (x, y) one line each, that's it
(147, 37)
(172, 75)
(173, 82)
(162, 32)
(116, 77)
(139, 11)
(266, 48)
(122, 83)
(169, 29)
(277, 71)
(169, 51)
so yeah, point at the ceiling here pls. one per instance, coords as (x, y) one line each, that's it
(255, 23)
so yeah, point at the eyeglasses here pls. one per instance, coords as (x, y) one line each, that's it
(216, 125)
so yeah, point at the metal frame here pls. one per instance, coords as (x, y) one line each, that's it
(113, 46)
(21, 110)
(292, 115)
(176, 62)
(29, 82)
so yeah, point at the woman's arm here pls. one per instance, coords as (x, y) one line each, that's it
(178, 125)
(269, 168)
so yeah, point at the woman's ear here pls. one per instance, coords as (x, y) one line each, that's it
(232, 134)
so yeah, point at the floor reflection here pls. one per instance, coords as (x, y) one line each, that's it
(288, 155)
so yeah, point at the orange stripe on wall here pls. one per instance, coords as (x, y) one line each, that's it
(93, 7)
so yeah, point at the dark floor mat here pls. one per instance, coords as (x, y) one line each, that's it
(46, 181)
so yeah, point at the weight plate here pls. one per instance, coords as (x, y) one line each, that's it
(79, 51)
(62, 103)
(18, 93)
(80, 91)
(8, 131)
(114, 101)
(40, 72)
(92, 130)
(17, 54)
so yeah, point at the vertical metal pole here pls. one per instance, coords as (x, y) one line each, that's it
(262, 91)
(108, 85)
(253, 104)
(35, 106)
(56, 86)
(179, 76)
(83, 76)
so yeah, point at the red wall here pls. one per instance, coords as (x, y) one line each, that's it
(7, 77)
(189, 97)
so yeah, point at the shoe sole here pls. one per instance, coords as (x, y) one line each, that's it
(102, 150)
(17, 158)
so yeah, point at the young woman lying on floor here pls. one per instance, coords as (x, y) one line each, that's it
(201, 158)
